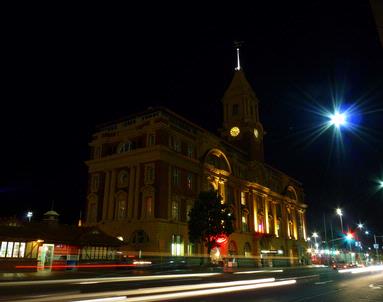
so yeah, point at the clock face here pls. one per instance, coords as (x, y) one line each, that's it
(234, 131)
(256, 133)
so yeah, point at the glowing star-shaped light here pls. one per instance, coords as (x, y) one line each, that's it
(338, 119)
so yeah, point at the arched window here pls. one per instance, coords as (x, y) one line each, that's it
(233, 248)
(291, 193)
(123, 178)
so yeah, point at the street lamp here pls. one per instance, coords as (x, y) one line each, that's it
(340, 214)
(315, 235)
(29, 215)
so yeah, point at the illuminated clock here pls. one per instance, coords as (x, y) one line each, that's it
(234, 131)
(256, 133)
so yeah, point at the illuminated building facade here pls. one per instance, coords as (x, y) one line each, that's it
(146, 170)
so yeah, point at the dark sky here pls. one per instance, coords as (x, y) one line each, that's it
(70, 69)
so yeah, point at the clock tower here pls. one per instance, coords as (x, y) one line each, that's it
(241, 125)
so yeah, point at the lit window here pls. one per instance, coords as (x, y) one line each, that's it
(245, 227)
(16, 248)
(9, 249)
(177, 247)
(175, 210)
(22, 249)
(3, 249)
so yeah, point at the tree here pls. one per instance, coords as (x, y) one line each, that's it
(209, 219)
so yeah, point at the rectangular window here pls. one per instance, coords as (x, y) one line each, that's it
(3, 249)
(16, 249)
(175, 210)
(22, 249)
(190, 151)
(176, 176)
(9, 249)
(149, 206)
(188, 209)
(177, 247)
(190, 181)
(150, 140)
(149, 174)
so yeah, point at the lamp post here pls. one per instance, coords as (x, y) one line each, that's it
(340, 214)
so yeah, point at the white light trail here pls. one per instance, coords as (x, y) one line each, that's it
(105, 280)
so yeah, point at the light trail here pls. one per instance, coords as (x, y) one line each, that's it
(258, 272)
(105, 280)
(152, 290)
(204, 292)
(359, 270)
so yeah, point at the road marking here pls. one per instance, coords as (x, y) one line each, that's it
(324, 282)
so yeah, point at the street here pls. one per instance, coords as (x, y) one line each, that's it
(290, 284)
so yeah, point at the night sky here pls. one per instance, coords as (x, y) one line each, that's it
(66, 71)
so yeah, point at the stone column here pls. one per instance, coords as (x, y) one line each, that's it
(255, 211)
(111, 206)
(275, 218)
(304, 224)
(137, 192)
(106, 196)
(267, 229)
(295, 223)
(132, 175)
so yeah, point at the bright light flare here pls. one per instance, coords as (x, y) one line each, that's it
(338, 119)
(339, 212)
(359, 270)
(349, 236)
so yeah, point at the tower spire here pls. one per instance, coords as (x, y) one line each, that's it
(237, 45)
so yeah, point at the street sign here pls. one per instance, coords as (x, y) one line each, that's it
(376, 246)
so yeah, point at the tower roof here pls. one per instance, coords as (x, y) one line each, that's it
(239, 86)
